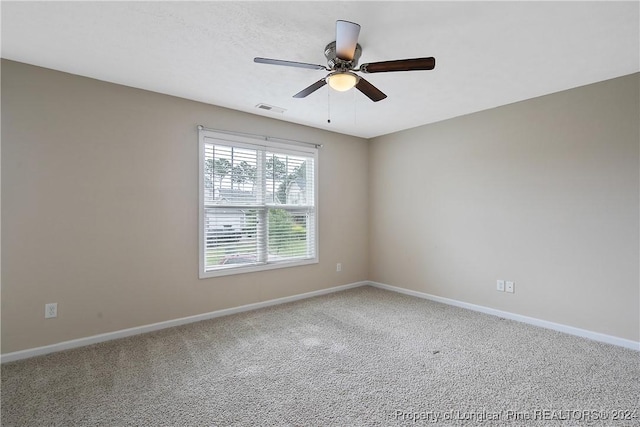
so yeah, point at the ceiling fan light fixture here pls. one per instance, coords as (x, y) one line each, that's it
(342, 82)
(342, 58)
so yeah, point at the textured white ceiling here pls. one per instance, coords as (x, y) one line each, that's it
(487, 53)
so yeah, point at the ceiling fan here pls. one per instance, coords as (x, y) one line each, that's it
(342, 59)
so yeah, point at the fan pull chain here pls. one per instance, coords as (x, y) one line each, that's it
(328, 105)
(355, 107)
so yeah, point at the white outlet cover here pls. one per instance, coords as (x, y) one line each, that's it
(51, 310)
(510, 287)
(338, 267)
(500, 285)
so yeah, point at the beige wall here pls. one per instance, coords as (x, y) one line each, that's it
(100, 208)
(543, 192)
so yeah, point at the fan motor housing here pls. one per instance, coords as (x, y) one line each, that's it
(338, 64)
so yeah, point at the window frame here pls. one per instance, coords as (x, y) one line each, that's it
(251, 142)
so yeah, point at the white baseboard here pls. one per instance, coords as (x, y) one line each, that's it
(596, 336)
(81, 342)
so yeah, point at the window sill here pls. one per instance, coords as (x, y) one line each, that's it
(256, 268)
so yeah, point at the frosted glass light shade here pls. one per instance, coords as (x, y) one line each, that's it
(342, 81)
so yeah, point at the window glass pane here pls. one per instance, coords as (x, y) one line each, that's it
(231, 175)
(290, 234)
(289, 179)
(231, 236)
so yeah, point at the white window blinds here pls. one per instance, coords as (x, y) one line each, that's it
(257, 204)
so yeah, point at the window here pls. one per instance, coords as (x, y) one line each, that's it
(257, 204)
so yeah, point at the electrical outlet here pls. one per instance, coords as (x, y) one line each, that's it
(500, 286)
(510, 286)
(339, 267)
(51, 310)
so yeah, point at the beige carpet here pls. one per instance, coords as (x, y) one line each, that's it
(362, 357)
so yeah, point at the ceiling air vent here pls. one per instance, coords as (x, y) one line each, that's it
(271, 108)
